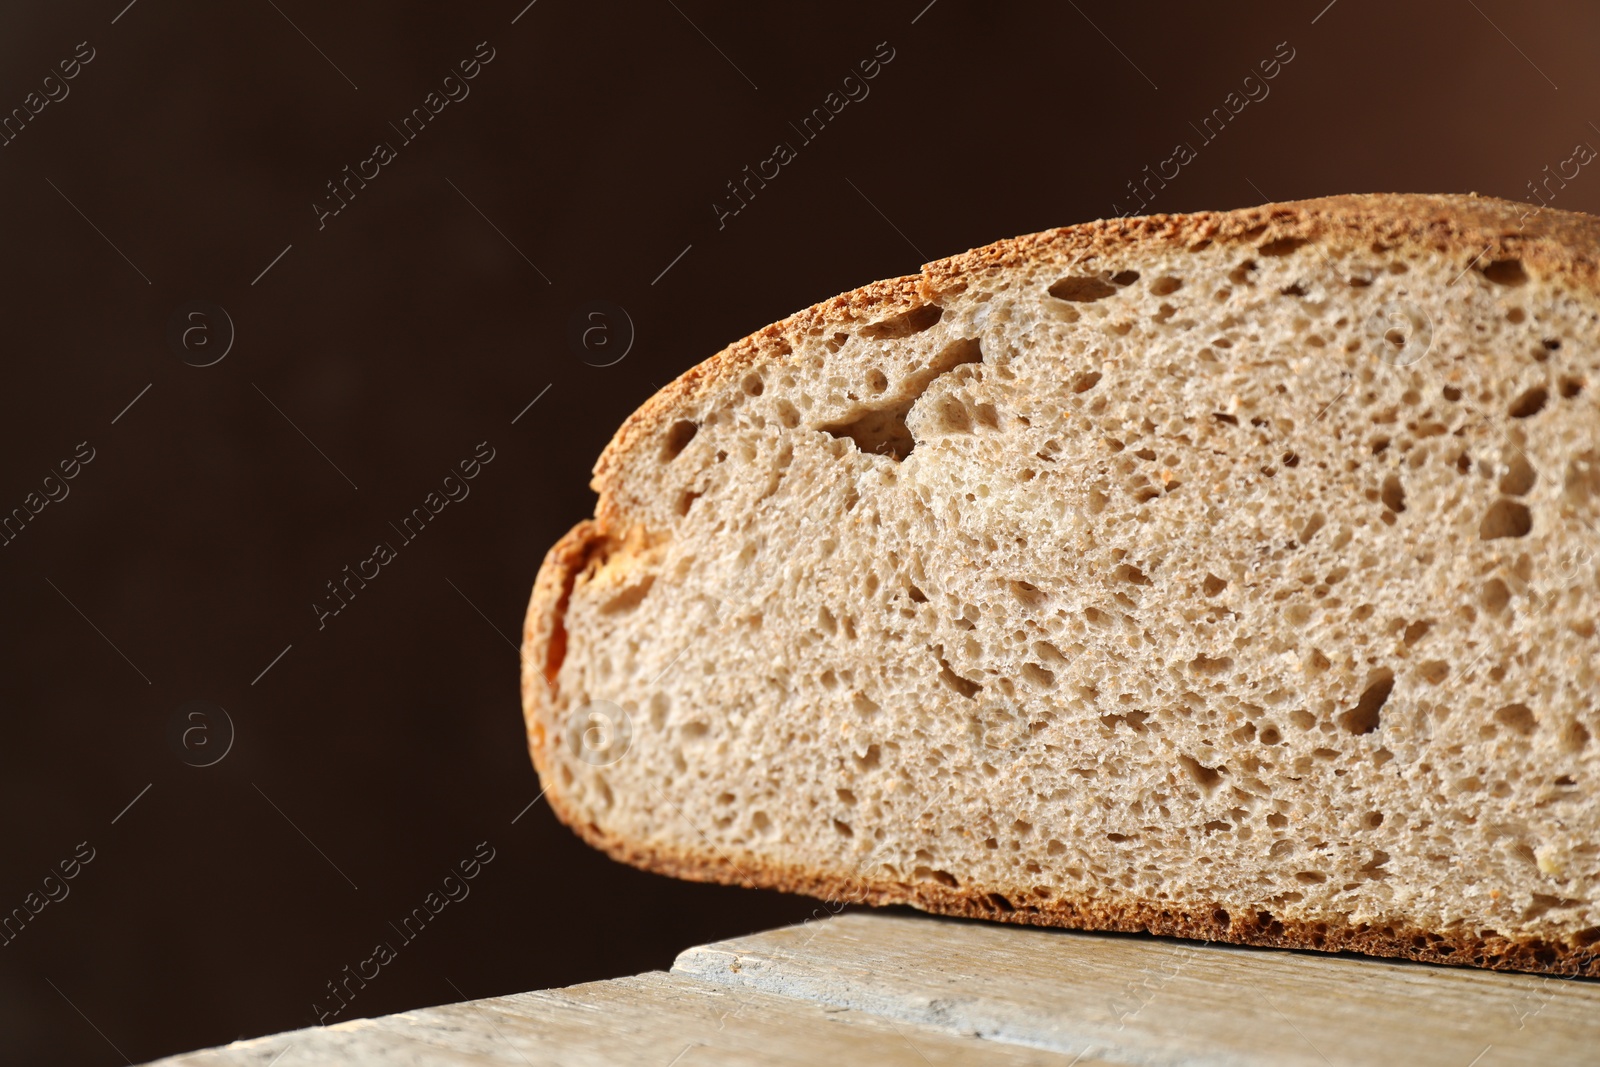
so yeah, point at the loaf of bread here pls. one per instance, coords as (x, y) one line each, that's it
(1227, 575)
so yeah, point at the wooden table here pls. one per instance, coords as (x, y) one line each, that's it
(876, 988)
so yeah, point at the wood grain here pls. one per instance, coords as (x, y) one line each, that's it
(877, 988)
(1142, 1000)
(653, 1019)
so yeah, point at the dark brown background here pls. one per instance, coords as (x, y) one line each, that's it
(409, 330)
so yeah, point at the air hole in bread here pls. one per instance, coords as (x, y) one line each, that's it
(1519, 476)
(1082, 289)
(1124, 278)
(1518, 717)
(1570, 387)
(1282, 246)
(1127, 572)
(1574, 736)
(677, 438)
(752, 385)
(1366, 715)
(881, 429)
(1543, 902)
(1207, 778)
(1038, 676)
(1212, 585)
(1049, 653)
(905, 324)
(630, 597)
(1433, 671)
(876, 381)
(1029, 594)
(928, 874)
(1505, 272)
(1393, 494)
(1505, 518)
(965, 686)
(1529, 403)
(826, 621)
(1166, 285)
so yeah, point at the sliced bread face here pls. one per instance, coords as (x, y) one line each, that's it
(1230, 576)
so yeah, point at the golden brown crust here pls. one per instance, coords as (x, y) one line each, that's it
(1477, 231)
(1203, 922)
(544, 640)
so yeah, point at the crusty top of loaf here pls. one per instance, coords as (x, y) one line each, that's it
(1477, 228)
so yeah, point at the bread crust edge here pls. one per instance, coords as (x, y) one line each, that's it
(1210, 923)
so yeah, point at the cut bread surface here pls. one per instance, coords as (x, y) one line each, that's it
(1227, 575)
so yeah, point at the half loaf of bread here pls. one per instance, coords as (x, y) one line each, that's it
(1227, 575)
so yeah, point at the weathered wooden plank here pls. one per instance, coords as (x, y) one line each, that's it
(891, 989)
(1149, 1001)
(653, 1020)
